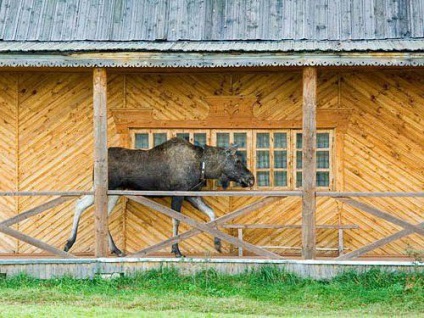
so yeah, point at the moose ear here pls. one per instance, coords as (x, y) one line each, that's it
(232, 149)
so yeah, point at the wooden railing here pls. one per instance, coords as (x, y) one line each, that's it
(211, 227)
(340, 234)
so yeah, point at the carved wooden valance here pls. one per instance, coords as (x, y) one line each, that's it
(225, 112)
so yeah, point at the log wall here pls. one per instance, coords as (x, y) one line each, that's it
(47, 143)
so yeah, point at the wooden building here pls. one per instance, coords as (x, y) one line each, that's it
(257, 73)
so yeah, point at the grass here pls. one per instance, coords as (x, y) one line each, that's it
(266, 292)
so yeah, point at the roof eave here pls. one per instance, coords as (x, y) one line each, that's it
(210, 60)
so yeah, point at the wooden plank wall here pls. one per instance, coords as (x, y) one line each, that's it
(55, 152)
(8, 153)
(46, 129)
(384, 152)
(182, 97)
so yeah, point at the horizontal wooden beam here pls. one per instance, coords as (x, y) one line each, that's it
(208, 193)
(298, 248)
(377, 194)
(287, 226)
(44, 193)
(135, 118)
(294, 193)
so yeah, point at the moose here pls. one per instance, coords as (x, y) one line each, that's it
(176, 165)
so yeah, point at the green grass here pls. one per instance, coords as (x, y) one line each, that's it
(265, 293)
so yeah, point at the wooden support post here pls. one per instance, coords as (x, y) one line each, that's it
(341, 242)
(309, 163)
(240, 237)
(100, 161)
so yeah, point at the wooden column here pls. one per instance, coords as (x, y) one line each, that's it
(100, 161)
(309, 163)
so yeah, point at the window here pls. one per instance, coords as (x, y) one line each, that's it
(323, 158)
(271, 160)
(146, 139)
(274, 156)
(223, 138)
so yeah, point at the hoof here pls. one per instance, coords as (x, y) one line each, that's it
(68, 246)
(176, 251)
(217, 244)
(118, 253)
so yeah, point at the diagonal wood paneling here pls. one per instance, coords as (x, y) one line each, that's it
(384, 151)
(8, 157)
(55, 137)
(181, 96)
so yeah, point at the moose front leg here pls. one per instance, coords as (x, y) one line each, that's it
(176, 205)
(202, 206)
(82, 205)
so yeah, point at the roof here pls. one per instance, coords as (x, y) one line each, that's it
(210, 20)
(392, 45)
(58, 32)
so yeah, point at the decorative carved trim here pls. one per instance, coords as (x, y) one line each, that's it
(143, 118)
(210, 60)
(231, 107)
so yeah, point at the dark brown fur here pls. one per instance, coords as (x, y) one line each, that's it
(175, 165)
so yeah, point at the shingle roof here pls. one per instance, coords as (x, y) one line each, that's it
(211, 33)
(393, 45)
(214, 24)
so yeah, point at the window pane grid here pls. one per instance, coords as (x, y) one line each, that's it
(200, 139)
(142, 141)
(271, 159)
(228, 138)
(159, 138)
(323, 159)
(277, 155)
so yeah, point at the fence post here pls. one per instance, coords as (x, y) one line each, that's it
(309, 163)
(100, 161)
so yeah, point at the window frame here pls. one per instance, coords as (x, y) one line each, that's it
(271, 150)
(251, 149)
(332, 151)
(248, 149)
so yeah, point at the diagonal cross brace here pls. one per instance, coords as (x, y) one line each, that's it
(221, 220)
(204, 227)
(34, 211)
(37, 243)
(4, 226)
(408, 229)
(383, 215)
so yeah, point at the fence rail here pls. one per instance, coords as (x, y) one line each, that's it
(258, 193)
(268, 197)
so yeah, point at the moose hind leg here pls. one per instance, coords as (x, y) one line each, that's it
(176, 205)
(82, 204)
(202, 206)
(112, 201)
